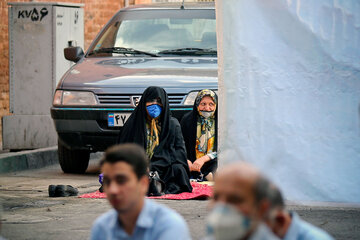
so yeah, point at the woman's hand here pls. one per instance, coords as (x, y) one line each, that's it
(190, 165)
(197, 165)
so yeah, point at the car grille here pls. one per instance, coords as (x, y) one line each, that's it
(114, 99)
(123, 99)
(176, 99)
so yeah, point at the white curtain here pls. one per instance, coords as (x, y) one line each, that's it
(289, 93)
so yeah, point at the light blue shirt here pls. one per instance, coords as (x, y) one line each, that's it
(263, 233)
(155, 222)
(301, 230)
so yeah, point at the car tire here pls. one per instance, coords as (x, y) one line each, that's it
(73, 161)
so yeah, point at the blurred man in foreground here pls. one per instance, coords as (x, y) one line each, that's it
(244, 200)
(239, 205)
(288, 225)
(125, 182)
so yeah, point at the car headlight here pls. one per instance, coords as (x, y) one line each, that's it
(190, 98)
(74, 98)
(57, 98)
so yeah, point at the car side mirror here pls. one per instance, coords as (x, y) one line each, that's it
(73, 54)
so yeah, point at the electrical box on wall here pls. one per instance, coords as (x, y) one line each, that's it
(38, 33)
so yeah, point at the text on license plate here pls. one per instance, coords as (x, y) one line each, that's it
(117, 119)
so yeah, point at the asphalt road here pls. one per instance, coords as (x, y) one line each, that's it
(28, 212)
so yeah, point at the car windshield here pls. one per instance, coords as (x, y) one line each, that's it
(154, 36)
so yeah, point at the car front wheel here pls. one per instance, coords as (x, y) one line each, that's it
(73, 161)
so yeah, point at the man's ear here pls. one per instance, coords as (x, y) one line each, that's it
(280, 219)
(279, 224)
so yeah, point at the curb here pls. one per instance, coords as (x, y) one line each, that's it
(24, 160)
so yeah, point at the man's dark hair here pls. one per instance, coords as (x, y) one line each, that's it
(275, 197)
(261, 189)
(264, 189)
(129, 153)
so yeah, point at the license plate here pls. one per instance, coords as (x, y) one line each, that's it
(117, 119)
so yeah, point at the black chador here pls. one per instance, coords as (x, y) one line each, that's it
(189, 124)
(167, 151)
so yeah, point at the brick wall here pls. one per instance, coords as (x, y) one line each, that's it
(4, 64)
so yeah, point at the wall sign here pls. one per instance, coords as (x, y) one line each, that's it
(34, 14)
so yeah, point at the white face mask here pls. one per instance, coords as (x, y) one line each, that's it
(206, 114)
(227, 223)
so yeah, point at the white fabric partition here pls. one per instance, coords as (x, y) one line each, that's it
(289, 93)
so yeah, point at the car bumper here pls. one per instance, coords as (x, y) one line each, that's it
(87, 128)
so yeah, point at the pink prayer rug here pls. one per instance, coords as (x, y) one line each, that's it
(200, 192)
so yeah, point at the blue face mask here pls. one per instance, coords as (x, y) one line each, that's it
(154, 110)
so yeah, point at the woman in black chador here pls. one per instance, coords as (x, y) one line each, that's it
(151, 126)
(199, 128)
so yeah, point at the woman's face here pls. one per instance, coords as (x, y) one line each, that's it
(207, 104)
(153, 102)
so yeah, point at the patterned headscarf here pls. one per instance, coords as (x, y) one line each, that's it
(203, 93)
(205, 131)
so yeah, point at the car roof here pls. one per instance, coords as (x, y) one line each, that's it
(173, 5)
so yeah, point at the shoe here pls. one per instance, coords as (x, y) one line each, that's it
(101, 178)
(71, 191)
(209, 177)
(51, 190)
(62, 191)
(156, 185)
(200, 178)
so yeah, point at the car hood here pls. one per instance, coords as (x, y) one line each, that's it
(110, 72)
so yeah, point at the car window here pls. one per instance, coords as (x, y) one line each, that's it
(157, 34)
